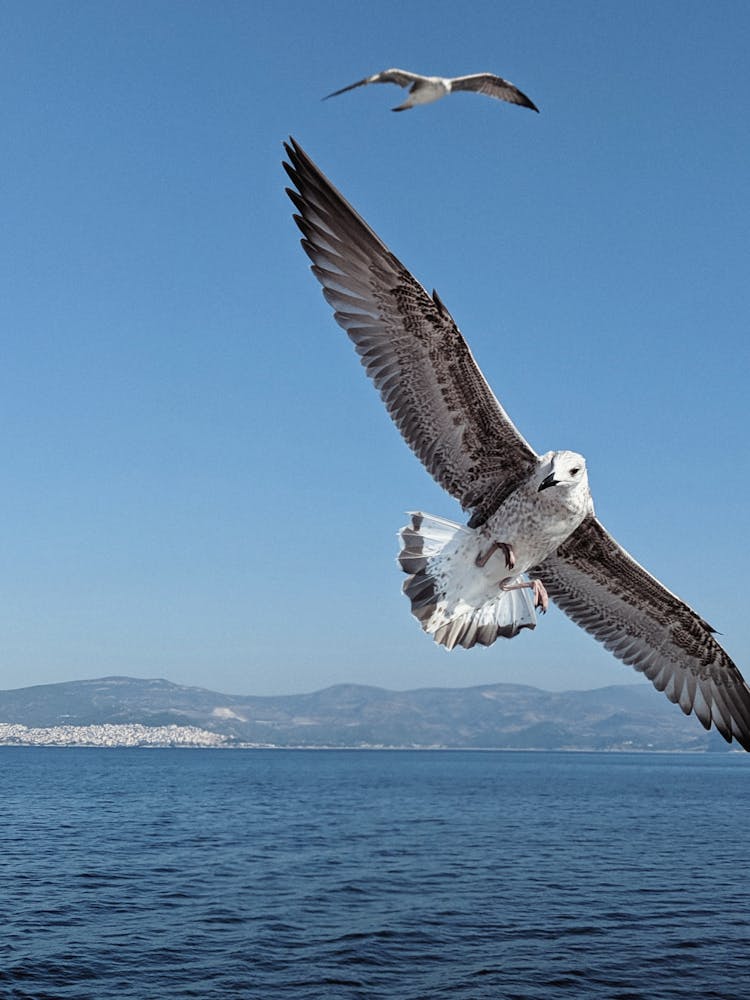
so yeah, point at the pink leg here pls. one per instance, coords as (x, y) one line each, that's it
(541, 598)
(510, 559)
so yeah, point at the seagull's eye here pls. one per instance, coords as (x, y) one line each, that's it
(574, 472)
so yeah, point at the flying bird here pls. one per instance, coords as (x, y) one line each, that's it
(425, 89)
(532, 534)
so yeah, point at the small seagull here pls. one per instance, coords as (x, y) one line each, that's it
(425, 89)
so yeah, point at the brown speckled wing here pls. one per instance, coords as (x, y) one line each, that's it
(605, 591)
(411, 349)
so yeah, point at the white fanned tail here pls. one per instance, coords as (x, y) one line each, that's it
(454, 600)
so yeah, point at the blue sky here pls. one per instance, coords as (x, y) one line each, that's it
(198, 481)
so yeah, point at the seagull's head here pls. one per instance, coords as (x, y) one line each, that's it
(565, 469)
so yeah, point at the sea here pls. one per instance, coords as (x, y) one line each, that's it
(158, 874)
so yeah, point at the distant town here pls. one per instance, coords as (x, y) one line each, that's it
(109, 735)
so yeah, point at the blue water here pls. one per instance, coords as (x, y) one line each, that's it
(155, 874)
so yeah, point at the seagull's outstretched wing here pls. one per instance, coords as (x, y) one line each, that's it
(411, 349)
(493, 86)
(401, 77)
(605, 591)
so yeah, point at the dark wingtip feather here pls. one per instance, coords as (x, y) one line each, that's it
(297, 156)
(523, 100)
(441, 305)
(343, 90)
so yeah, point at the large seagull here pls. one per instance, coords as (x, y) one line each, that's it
(532, 534)
(426, 89)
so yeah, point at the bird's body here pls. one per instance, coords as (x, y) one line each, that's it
(532, 533)
(426, 89)
(457, 588)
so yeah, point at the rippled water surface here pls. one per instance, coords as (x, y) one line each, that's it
(380, 875)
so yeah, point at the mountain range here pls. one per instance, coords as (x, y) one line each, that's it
(495, 716)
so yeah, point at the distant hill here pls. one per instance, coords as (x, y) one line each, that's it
(496, 716)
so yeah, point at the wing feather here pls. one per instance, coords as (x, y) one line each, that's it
(411, 349)
(401, 77)
(493, 86)
(605, 591)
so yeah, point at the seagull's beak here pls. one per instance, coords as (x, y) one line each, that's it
(547, 481)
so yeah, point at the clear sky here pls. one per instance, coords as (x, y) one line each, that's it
(198, 481)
